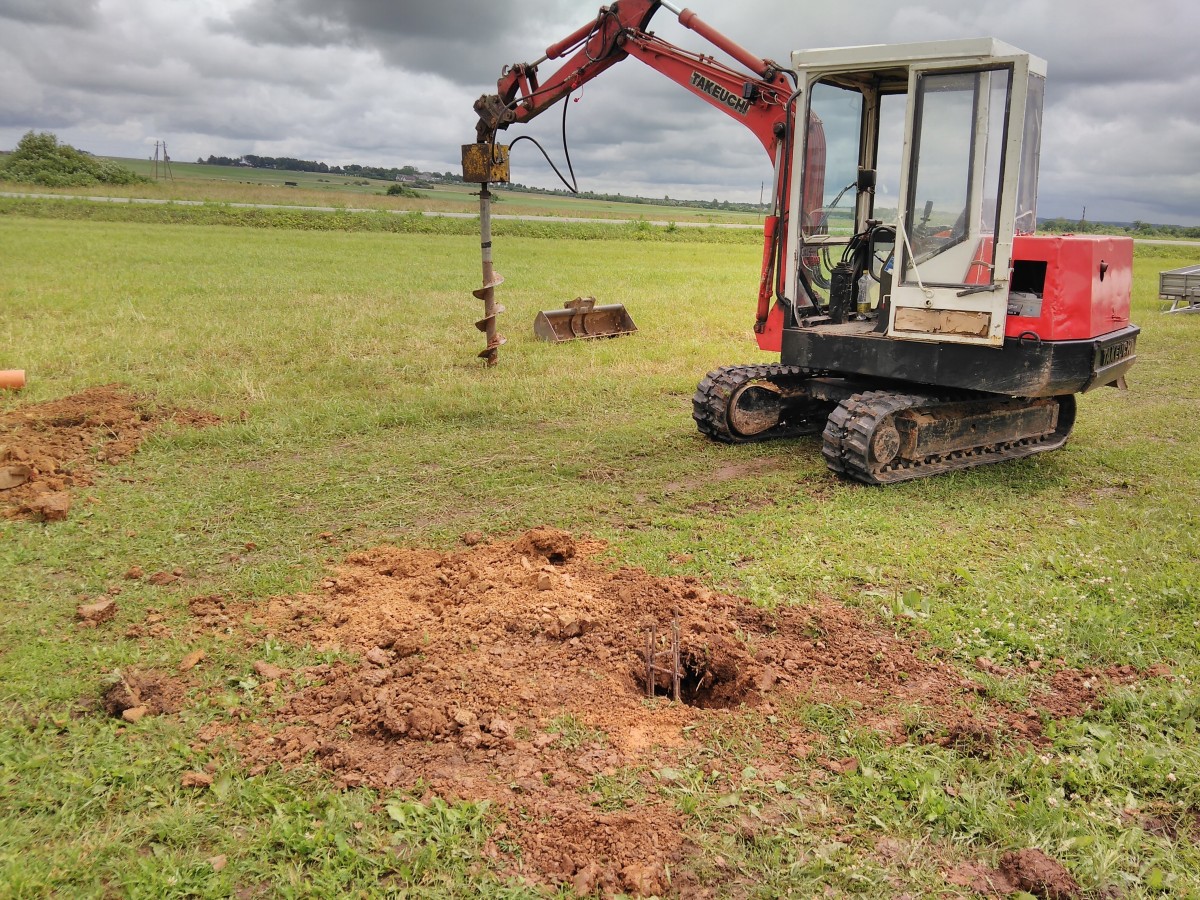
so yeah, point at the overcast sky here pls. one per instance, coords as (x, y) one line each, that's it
(391, 82)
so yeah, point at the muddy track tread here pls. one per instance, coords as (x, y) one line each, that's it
(710, 403)
(847, 437)
(850, 427)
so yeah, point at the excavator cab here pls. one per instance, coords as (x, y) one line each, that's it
(931, 153)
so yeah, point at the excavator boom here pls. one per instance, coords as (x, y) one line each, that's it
(621, 30)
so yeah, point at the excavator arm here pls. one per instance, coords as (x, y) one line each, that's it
(762, 98)
(620, 30)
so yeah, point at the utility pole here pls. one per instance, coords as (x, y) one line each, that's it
(166, 160)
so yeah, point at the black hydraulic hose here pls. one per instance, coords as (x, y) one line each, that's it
(573, 184)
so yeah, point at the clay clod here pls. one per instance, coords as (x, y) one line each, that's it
(53, 506)
(270, 672)
(145, 693)
(95, 613)
(1036, 873)
(14, 476)
(551, 544)
(190, 661)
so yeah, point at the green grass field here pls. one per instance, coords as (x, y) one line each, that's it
(343, 365)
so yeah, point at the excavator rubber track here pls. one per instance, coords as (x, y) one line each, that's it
(883, 437)
(753, 403)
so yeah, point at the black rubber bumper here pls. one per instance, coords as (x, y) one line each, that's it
(1025, 367)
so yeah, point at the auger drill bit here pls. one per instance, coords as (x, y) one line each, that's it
(491, 279)
(486, 162)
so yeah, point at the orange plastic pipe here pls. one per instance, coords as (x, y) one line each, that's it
(12, 379)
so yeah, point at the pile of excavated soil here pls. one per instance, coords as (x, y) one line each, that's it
(1029, 871)
(516, 673)
(49, 449)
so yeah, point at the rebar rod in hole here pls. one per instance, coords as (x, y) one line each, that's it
(652, 665)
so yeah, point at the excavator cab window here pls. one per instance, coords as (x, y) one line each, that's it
(955, 179)
(1031, 149)
(857, 172)
(832, 183)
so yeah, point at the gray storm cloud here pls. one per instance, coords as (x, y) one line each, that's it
(384, 82)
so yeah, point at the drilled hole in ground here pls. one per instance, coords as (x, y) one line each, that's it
(709, 678)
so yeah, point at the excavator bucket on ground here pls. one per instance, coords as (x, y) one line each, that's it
(582, 318)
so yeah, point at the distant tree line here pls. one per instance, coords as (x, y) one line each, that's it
(290, 164)
(1136, 228)
(723, 205)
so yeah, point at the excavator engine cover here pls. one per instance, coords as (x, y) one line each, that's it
(582, 318)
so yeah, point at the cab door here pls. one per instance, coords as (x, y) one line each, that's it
(958, 196)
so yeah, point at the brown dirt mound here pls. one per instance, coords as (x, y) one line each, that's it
(1038, 874)
(48, 449)
(1029, 871)
(515, 672)
(153, 693)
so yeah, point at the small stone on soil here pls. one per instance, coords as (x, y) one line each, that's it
(268, 671)
(190, 661)
(377, 656)
(13, 476)
(100, 611)
(50, 507)
(845, 766)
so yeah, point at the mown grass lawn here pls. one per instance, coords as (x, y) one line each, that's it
(343, 365)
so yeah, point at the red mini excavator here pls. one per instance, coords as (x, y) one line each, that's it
(922, 326)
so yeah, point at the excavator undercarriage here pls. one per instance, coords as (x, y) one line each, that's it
(877, 436)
